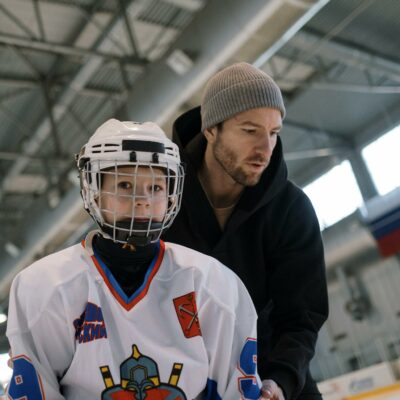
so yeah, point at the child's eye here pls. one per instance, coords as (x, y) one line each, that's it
(124, 185)
(157, 188)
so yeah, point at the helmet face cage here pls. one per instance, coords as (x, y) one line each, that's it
(131, 184)
(126, 226)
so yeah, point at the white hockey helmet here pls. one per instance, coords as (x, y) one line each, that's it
(116, 144)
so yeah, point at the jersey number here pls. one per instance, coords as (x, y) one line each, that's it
(25, 382)
(248, 385)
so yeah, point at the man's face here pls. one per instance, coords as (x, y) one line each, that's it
(244, 145)
(139, 193)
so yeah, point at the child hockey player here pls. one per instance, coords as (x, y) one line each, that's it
(124, 315)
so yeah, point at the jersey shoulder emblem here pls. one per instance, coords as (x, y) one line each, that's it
(186, 310)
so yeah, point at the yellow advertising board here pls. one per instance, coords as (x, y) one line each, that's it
(390, 392)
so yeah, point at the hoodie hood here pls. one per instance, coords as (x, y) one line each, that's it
(192, 144)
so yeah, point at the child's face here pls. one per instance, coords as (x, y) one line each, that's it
(128, 191)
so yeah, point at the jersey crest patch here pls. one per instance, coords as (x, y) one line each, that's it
(186, 310)
(90, 325)
(140, 380)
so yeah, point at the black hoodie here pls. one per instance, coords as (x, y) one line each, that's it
(272, 241)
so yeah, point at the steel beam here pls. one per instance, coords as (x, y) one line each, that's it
(10, 156)
(101, 5)
(291, 32)
(129, 29)
(304, 129)
(389, 119)
(25, 60)
(17, 22)
(39, 19)
(59, 49)
(342, 87)
(363, 177)
(348, 54)
(34, 84)
(54, 130)
(315, 153)
(189, 5)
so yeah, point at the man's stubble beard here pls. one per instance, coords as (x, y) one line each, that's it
(227, 159)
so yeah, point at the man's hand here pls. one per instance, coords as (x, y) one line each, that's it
(271, 391)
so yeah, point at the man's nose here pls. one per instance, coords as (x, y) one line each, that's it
(266, 145)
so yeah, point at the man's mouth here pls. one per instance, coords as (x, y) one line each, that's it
(257, 165)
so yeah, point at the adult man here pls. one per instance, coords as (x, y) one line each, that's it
(239, 207)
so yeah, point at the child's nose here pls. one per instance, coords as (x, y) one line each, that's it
(142, 199)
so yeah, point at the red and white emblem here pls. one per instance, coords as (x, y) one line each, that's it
(186, 310)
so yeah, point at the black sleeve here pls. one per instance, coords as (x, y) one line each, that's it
(297, 286)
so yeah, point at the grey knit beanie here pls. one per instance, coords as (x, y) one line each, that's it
(235, 89)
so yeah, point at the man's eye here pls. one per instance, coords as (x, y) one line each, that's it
(248, 130)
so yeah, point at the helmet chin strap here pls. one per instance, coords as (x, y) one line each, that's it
(142, 234)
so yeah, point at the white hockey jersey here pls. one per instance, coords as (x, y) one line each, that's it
(188, 332)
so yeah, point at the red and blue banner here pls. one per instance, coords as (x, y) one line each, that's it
(382, 216)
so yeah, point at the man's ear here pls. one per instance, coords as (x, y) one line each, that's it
(211, 134)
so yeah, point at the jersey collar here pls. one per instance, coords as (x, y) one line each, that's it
(126, 302)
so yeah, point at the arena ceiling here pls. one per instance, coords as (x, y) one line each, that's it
(68, 65)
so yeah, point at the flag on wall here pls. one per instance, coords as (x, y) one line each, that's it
(382, 216)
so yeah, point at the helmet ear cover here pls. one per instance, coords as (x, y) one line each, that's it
(135, 145)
